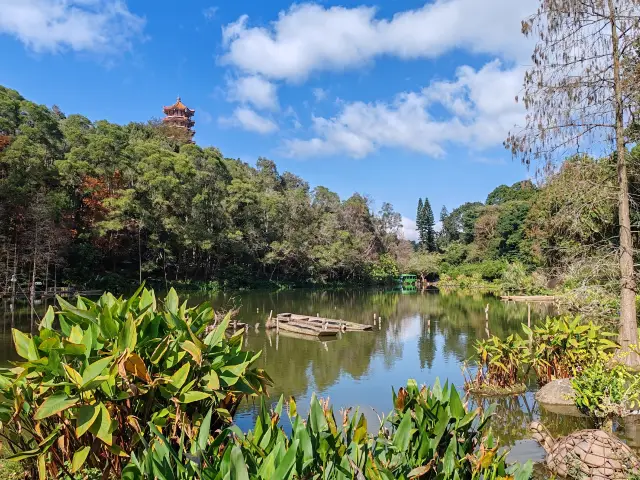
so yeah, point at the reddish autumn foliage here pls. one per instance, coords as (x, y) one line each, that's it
(5, 141)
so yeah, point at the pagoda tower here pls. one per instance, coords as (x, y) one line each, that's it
(179, 115)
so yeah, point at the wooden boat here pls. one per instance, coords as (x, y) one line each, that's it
(305, 329)
(328, 322)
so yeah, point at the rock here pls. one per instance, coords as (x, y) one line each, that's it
(556, 392)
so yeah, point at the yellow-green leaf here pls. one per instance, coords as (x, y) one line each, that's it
(193, 396)
(87, 414)
(56, 403)
(195, 352)
(74, 376)
(79, 458)
(95, 369)
(178, 378)
(24, 344)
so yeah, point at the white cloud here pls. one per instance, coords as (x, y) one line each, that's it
(480, 106)
(409, 229)
(256, 90)
(319, 94)
(210, 12)
(105, 26)
(248, 119)
(309, 37)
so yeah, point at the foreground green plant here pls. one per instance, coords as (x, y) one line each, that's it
(604, 393)
(429, 435)
(92, 392)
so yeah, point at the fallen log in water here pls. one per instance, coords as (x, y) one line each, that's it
(529, 298)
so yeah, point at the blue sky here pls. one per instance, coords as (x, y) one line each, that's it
(395, 99)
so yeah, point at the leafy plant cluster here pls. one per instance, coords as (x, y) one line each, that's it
(429, 435)
(559, 348)
(604, 392)
(91, 393)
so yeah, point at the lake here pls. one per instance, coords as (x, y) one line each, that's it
(421, 335)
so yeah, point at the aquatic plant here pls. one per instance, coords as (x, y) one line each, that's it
(90, 392)
(499, 366)
(563, 346)
(428, 435)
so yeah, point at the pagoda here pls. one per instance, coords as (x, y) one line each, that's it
(179, 115)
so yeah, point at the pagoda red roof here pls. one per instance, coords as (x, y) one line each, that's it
(178, 106)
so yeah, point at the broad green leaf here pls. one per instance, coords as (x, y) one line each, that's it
(449, 461)
(87, 414)
(160, 350)
(238, 466)
(95, 369)
(79, 458)
(204, 432)
(216, 335)
(455, 404)
(211, 381)
(171, 301)
(74, 376)
(47, 320)
(18, 457)
(70, 348)
(128, 336)
(108, 326)
(178, 378)
(403, 433)
(195, 352)
(192, 396)
(289, 460)
(56, 403)
(24, 345)
(101, 428)
(76, 334)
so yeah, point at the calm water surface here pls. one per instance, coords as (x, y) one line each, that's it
(423, 336)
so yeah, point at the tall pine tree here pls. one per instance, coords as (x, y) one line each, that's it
(429, 222)
(419, 221)
(425, 223)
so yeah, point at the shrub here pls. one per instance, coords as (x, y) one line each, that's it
(90, 393)
(563, 346)
(603, 393)
(429, 435)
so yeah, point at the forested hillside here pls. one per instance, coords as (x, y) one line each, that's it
(101, 205)
(563, 231)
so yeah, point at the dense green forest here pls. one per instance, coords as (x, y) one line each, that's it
(95, 204)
